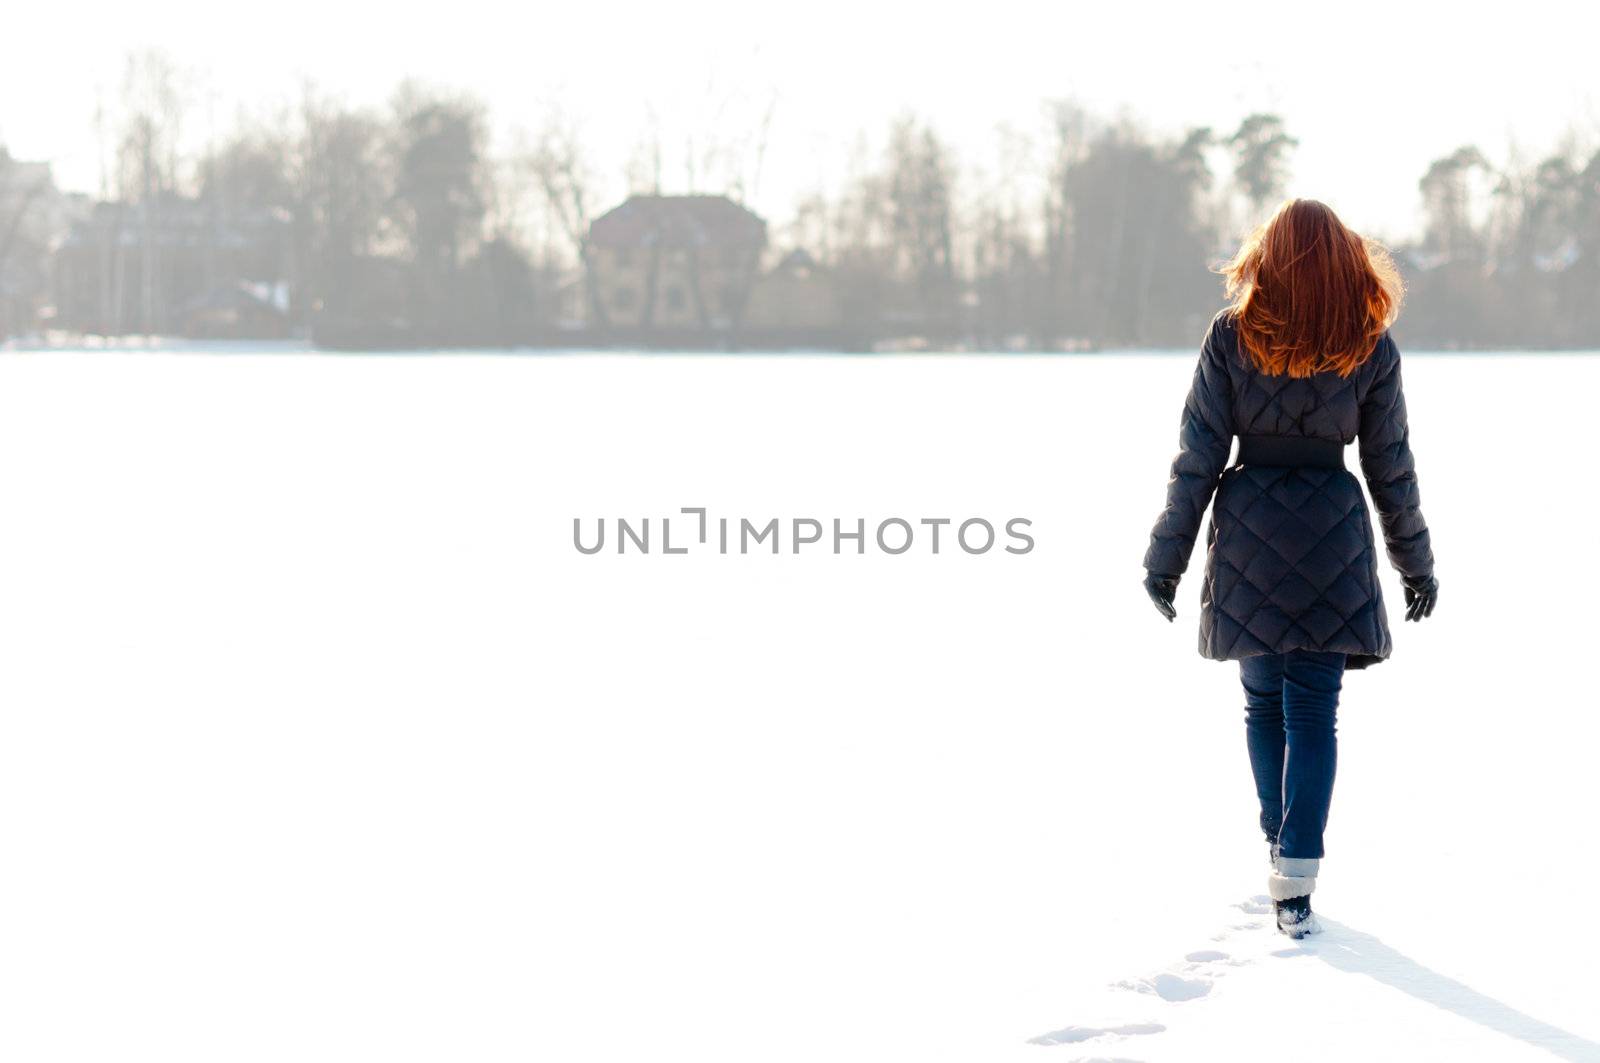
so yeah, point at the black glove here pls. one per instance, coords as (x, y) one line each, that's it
(1422, 593)
(1162, 589)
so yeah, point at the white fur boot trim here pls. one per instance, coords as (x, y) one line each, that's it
(1293, 876)
(1286, 887)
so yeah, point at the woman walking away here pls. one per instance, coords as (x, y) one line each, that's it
(1297, 367)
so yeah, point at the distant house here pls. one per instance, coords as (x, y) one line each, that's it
(237, 311)
(673, 269)
(172, 263)
(795, 304)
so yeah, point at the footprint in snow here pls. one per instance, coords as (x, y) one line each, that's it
(1205, 955)
(1188, 980)
(1173, 988)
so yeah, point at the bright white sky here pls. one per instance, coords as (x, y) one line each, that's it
(1374, 90)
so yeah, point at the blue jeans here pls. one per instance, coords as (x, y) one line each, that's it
(1290, 703)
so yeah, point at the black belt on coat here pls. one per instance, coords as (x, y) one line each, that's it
(1291, 452)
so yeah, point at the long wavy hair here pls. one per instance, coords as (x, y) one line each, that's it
(1309, 295)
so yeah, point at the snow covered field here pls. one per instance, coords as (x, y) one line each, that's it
(319, 740)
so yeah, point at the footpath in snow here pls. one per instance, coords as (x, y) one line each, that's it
(1248, 992)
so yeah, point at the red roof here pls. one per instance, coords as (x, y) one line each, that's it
(678, 221)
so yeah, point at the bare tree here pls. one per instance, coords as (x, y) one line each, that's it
(725, 144)
(341, 180)
(563, 173)
(920, 179)
(644, 166)
(1068, 146)
(152, 105)
(1000, 243)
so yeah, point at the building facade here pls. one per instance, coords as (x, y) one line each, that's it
(796, 303)
(664, 270)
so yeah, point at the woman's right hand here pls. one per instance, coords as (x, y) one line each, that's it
(1162, 589)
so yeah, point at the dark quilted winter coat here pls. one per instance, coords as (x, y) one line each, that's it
(1290, 558)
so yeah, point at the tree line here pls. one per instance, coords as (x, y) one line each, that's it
(403, 223)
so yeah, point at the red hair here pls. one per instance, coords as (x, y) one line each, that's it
(1309, 295)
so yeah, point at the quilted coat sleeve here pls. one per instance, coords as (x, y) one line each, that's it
(1205, 437)
(1391, 472)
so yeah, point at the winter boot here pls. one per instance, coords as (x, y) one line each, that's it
(1291, 884)
(1296, 918)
